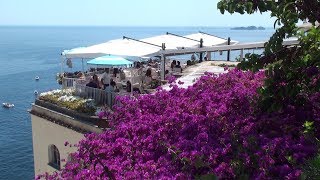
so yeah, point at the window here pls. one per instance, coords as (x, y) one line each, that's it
(54, 157)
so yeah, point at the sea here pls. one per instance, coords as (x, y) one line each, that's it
(27, 52)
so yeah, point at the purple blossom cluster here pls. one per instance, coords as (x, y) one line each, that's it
(212, 127)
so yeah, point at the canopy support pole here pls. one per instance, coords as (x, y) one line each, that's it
(241, 55)
(201, 54)
(163, 67)
(182, 37)
(211, 35)
(131, 81)
(125, 37)
(228, 53)
(163, 63)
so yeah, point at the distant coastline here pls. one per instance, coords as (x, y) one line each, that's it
(249, 28)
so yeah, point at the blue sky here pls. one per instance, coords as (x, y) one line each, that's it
(123, 13)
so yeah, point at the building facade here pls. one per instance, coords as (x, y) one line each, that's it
(54, 134)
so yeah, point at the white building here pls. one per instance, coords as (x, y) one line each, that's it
(51, 129)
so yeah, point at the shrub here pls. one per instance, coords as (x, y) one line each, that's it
(212, 127)
(65, 98)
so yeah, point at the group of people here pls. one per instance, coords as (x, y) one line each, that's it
(104, 83)
(175, 64)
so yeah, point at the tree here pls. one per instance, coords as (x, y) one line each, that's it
(292, 72)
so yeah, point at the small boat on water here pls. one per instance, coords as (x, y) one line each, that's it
(37, 78)
(7, 105)
(36, 92)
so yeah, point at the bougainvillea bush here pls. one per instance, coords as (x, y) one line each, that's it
(212, 129)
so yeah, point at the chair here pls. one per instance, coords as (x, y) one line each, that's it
(177, 70)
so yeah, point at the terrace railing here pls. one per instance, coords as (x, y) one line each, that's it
(70, 82)
(101, 97)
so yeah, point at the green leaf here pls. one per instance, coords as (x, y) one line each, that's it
(249, 6)
(209, 177)
(231, 8)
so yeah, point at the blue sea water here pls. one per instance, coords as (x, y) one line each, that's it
(26, 52)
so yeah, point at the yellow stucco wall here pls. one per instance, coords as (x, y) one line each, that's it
(45, 133)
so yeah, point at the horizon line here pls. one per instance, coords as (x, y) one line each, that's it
(157, 26)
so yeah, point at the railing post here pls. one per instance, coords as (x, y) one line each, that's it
(241, 55)
(228, 54)
(163, 62)
(201, 54)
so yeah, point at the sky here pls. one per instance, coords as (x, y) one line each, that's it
(123, 13)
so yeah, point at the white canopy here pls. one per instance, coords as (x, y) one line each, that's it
(210, 40)
(119, 47)
(132, 48)
(172, 42)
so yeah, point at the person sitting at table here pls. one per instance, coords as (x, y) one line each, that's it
(128, 88)
(149, 72)
(113, 86)
(135, 89)
(178, 65)
(148, 76)
(149, 62)
(81, 75)
(155, 65)
(122, 75)
(115, 72)
(138, 65)
(173, 64)
(112, 82)
(193, 57)
(92, 84)
(96, 80)
(106, 78)
(101, 84)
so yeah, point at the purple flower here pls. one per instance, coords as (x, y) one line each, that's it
(212, 127)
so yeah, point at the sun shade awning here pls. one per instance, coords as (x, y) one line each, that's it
(133, 48)
(119, 47)
(210, 40)
(109, 61)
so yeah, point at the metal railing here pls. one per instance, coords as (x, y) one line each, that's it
(102, 97)
(70, 82)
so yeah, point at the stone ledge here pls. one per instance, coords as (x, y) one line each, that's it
(69, 118)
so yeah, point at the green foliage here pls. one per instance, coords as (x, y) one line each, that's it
(226, 65)
(292, 72)
(70, 102)
(155, 83)
(287, 12)
(308, 127)
(208, 177)
(311, 169)
(251, 62)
